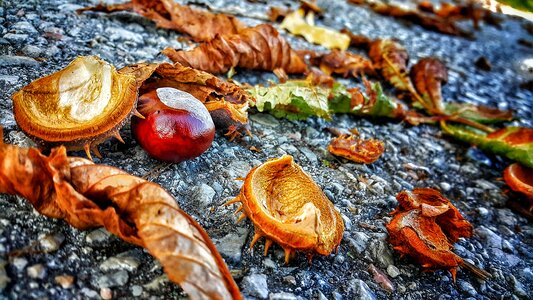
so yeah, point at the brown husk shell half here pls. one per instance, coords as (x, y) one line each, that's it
(286, 206)
(78, 106)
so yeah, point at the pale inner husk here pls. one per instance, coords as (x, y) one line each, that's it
(80, 93)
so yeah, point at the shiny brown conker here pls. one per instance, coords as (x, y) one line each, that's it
(176, 127)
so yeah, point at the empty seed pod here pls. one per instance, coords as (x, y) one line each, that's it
(287, 207)
(79, 106)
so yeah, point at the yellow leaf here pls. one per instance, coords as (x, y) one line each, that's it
(329, 38)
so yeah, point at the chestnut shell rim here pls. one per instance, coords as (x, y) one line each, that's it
(261, 217)
(86, 135)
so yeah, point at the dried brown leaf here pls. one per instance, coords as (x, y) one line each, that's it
(201, 25)
(426, 20)
(344, 63)
(424, 226)
(391, 58)
(260, 48)
(428, 76)
(87, 195)
(357, 150)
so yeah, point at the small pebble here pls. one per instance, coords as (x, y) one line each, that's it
(65, 281)
(446, 187)
(290, 279)
(255, 285)
(106, 293)
(20, 263)
(51, 242)
(36, 271)
(393, 271)
(136, 290)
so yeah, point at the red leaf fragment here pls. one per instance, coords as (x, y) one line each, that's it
(355, 149)
(381, 278)
(520, 136)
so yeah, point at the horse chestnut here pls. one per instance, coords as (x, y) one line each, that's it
(176, 127)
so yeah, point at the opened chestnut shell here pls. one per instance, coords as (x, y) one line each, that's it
(176, 127)
(78, 107)
(286, 206)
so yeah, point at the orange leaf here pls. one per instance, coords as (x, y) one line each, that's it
(87, 195)
(424, 226)
(357, 150)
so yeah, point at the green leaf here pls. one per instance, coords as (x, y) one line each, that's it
(294, 100)
(525, 5)
(300, 99)
(375, 103)
(478, 113)
(515, 143)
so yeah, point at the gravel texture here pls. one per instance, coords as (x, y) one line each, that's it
(40, 37)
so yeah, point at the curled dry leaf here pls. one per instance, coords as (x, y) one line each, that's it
(260, 47)
(287, 207)
(478, 113)
(428, 76)
(520, 179)
(357, 41)
(424, 226)
(468, 11)
(87, 195)
(355, 149)
(428, 21)
(343, 63)
(295, 23)
(515, 143)
(79, 106)
(226, 102)
(391, 58)
(201, 25)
